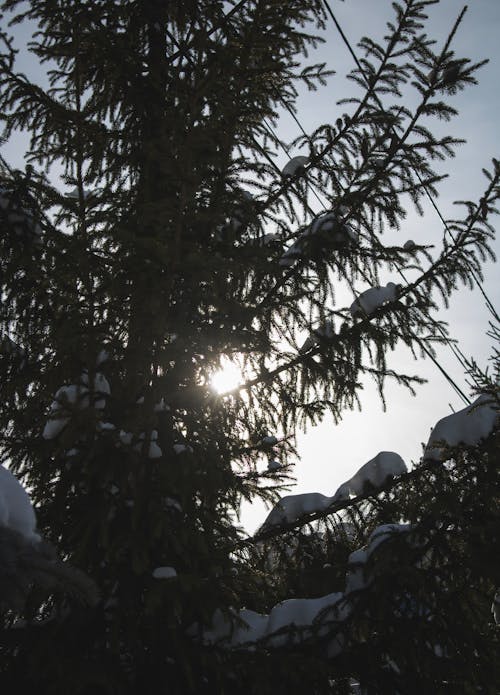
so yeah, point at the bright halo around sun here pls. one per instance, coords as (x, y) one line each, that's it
(227, 378)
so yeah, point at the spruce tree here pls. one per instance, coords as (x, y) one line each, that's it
(150, 239)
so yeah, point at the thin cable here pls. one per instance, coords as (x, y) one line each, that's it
(285, 149)
(460, 356)
(447, 376)
(424, 187)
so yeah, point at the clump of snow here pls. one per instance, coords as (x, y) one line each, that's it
(326, 330)
(75, 193)
(358, 568)
(268, 238)
(102, 357)
(125, 437)
(16, 510)
(289, 622)
(105, 426)
(325, 232)
(270, 440)
(164, 573)
(171, 503)
(356, 571)
(495, 608)
(376, 472)
(161, 406)
(339, 233)
(182, 448)
(468, 426)
(75, 397)
(292, 507)
(383, 532)
(294, 166)
(373, 298)
(295, 620)
(153, 450)
(273, 466)
(409, 245)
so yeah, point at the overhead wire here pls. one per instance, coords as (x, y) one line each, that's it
(429, 354)
(182, 50)
(455, 350)
(346, 41)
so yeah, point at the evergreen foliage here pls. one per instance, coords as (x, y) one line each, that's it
(135, 261)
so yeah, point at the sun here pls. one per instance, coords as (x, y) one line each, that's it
(226, 378)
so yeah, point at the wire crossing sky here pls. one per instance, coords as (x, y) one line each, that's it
(407, 422)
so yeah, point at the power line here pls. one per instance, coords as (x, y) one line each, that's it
(447, 376)
(476, 279)
(460, 356)
(321, 155)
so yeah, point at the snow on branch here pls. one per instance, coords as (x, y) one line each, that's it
(384, 466)
(468, 426)
(26, 560)
(16, 510)
(373, 298)
(75, 397)
(296, 620)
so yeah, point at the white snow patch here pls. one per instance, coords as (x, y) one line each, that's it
(181, 448)
(16, 510)
(125, 437)
(326, 330)
(289, 622)
(381, 534)
(170, 503)
(105, 426)
(468, 426)
(384, 465)
(376, 472)
(154, 451)
(54, 427)
(75, 193)
(373, 298)
(161, 406)
(355, 580)
(495, 608)
(292, 507)
(164, 573)
(273, 466)
(75, 396)
(295, 165)
(102, 357)
(339, 236)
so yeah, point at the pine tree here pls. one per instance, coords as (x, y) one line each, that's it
(150, 239)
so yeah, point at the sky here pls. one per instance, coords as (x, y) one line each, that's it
(330, 453)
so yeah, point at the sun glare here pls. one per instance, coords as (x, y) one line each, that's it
(226, 378)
